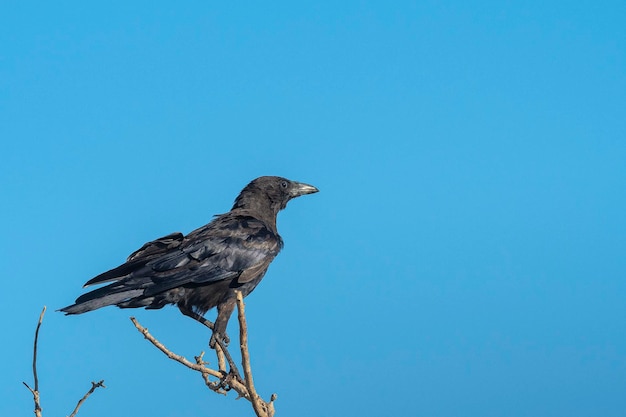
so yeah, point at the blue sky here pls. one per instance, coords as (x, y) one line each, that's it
(465, 256)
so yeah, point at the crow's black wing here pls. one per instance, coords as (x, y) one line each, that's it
(140, 257)
(233, 246)
(157, 247)
(226, 248)
(223, 249)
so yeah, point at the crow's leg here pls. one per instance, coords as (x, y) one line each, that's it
(221, 338)
(224, 310)
(197, 317)
(224, 339)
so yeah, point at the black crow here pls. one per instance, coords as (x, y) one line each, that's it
(203, 269)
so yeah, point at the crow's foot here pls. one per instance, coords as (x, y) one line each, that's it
(223, 338)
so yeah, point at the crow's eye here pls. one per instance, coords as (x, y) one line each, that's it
(283, 184)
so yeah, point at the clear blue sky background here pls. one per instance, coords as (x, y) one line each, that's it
(465, 256)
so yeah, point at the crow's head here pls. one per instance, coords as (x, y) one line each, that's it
(271, 193)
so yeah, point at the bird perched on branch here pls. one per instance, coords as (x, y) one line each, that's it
(203, 269)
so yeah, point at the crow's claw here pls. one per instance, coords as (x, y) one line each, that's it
(223, 338)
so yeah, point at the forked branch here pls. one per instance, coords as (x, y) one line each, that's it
(35, 390)
(220, 380)
(94, 385)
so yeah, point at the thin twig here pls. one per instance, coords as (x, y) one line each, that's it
(43, 311)
(94, 385)
(35, 391)
(215, 386)
(172, 355)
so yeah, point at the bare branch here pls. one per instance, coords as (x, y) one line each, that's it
(221, 361)
(226, 380)
(35, 391)
(261, 408)
(94, 385)
(245, 355)
(223, 377)
(172, 355)
(43, 311)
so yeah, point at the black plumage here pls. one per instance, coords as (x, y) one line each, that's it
(203, 269)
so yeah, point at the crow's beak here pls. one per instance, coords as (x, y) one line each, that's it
(300, 188)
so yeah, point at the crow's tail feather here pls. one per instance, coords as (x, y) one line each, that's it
(85, 304)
